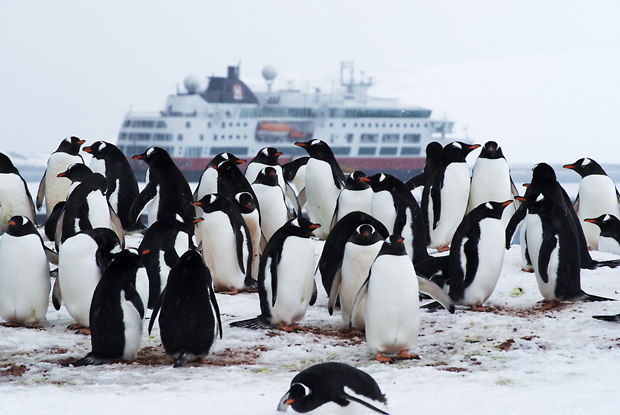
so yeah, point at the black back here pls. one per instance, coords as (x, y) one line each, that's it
(290, 169)
(320, 150)
(230, 181)
(75, 217)
(433, 150)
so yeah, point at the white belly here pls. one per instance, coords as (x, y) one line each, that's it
(273, 210)
(354, 200)
(597, 196)
(382, 208)
(133, 329)
(534, 242)
(56, 188)
(13, 200)
(490, 182)
(321, 194)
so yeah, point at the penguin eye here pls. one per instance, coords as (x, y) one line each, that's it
(307, 390)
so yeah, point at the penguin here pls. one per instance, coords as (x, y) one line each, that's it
(609, 238)
(166, 187)
(446, 193)
(15, 199)
(24, 274)
(553, 241)
(295, 172)
(207, 183)
(164, 242)
(433, 150)
(491, 181)
(477, 255)
(76, 173)
(394, 205)
(597, 195)
(286, 278)
(189, 316)
(52, 221)
(274, 212)
(332, 254)
(82, 260)
(356, 196)
(360, 252)
(247, 204)
(266, 157)
(321, 389)
(52, 189)
(231, 181)
(226, 244)
(87, 208)
(324, 181)
(116, 313)
(391, 310)
(122, 183)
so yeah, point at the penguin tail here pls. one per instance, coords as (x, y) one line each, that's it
(251, 285)
(87, 360)
(608, 318)
(590, 297)
(181, 359)
(611, 263)
(432, 306)
(253, 323)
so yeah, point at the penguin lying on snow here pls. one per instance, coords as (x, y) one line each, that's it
(392, 311)
(190, 317)
(116, 313)
(286, 278)
(333, 388)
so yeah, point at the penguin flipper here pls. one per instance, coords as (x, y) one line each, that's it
(515, 220)
(589, 297)
(143, 198)
(131, 295)
(52, 256)
(41, 192)
(432, 289)
(302, 199)
(117, 227)
(435, 196)
(610, 263)
(416, 181)
(156, 310)
(253, 323)
(58, 233)
(546, 248)
(358, 301)
(315, 293)
(333, 293)
(291, 198)
(615, 318)
(216, 308)
(56, 295)
(345, 396)
(576, 204)
(182, 358)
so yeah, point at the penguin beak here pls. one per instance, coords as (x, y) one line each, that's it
(526, 184)
(300, 144)
(364, 179)
(87, 149)
(138, 157)
(568, 166)
(315, 226)
(62, 174)
(12, 223)
(506, 203)
(197, 203)
(146, 251)
(585, 220)
(278, 154)
(81, 142)
(197, 220)
(520, 199)
(285, 402)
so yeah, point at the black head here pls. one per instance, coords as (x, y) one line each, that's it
(433, 151)
(491, 150)
(490, 210)
(609, 224)
(456, 151)
(357, 181)
(267, 176)
(153, 155)
(125, 260)
(223, 157)
(290, 169)
(70, 145)
(317, 149)
(245, 202)
(267, 155)
(214, 202)
(6, 165)
(300, 227)
(543, 171)
(101, 150)
(365, 234)
(585, 167)
(76, 172)
(20, 226)
(393, 245)
(381, 181)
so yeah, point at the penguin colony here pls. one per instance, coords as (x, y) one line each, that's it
(254, 232)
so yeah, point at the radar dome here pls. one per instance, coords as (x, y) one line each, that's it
(192, 84)
(269, 73)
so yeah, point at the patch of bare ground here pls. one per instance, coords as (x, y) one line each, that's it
(453, 369)
(12, 370)
(506, 345)
(526, 312)
(345, 337)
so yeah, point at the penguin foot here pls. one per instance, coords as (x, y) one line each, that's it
(79, 329)
(383, 359)
(547, 304)
(478, 308)
(358, 332)
(527, 269)
(404, 354)
(36, 326)
(10, 324)
(443, 248)
(291, 328)
(222, 290)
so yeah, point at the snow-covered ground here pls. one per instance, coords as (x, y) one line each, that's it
(510, 360)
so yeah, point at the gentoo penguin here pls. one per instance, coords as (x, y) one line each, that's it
(553, 242)
(76, 173)
(477, 255)
(360, 252)
(24, 274)
(87, 208)
(190, 317)
(333, 249)
(122, 183)
(163, 244)
(207, 183)
(445, 195)
(52, 221)
(82, 259)
(116, 313)
(231, 181)
(286, 277)
(167, 188)
(609, 239)
(356, 196)
(597, 195)
(226, 244)
(394, 205)
(15, 199)
(247, 204)
(433, 150)
(392, 311)
(491, 181)
(324, 181)
(51, 188)
(295, 172)
(321, 389)
(266, 157)
(274, 212)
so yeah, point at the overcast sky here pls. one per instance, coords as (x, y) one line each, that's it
(539, 77)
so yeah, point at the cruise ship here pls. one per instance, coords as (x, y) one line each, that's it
(364, 132)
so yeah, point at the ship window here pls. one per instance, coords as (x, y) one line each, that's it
(127, 123)
(294, 151)
(238, 151)
(344, 124)
(369, 138)
(245, 124)
(238, 124)
(193, 151)
(383, 124)
(425, 125)
(377, 124)
(214, 137)
(367, 151)
(355, 125)
(362, 124)
(390, 138)
(223, 125)
(209, 124)
(162, 137)
(230, 137)
(398, 125)
(180, 137)
(139, 136)
(230, 124)
(388, 151)
(390, 125)
(238, 137)
(341, 151)
(141, 149)
(349, 138)
(410, 151)
(122, 136)
(418, 125)
(188, 124)
(245, 137)
(142, 124)
(411, 138)
(161, 124)
(331, 124)
(202, 137)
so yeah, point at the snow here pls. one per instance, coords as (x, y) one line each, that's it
(513, 359)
